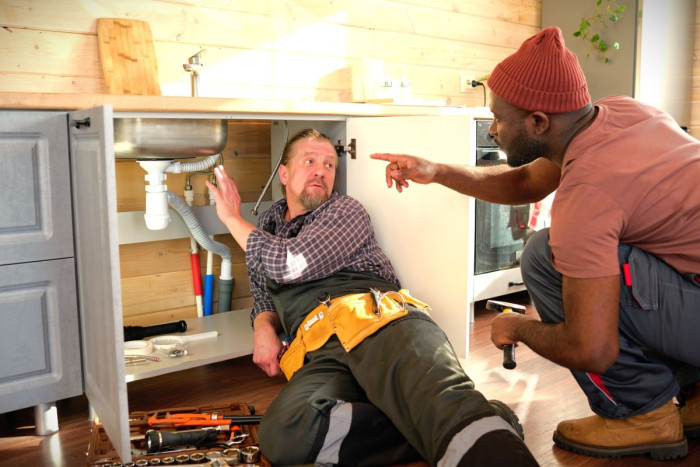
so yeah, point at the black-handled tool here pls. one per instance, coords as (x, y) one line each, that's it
(134, 333)
(159, 440)
(506, 307)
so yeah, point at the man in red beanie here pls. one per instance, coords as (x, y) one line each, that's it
(616, 279)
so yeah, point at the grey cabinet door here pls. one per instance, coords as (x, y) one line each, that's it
(97, 262)
(35, 204)
(39, 339)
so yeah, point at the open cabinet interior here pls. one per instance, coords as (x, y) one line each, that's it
(424, 231)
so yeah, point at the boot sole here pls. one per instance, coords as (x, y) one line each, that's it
(657, 451)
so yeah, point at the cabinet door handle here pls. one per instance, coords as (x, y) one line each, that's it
(515, 284)
(80, 123)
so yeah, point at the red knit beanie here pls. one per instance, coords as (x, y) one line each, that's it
(542, 75)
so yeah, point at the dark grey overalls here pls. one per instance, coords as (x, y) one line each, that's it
(399, 396)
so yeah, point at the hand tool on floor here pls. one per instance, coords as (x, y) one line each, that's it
(237, 436)
(134, 333)
(159, 440)
(506, 307)
(200, 419)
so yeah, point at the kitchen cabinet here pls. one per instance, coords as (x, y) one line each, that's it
(423, 230)
(39, 336)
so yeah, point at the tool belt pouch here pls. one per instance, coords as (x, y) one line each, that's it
(351, 317)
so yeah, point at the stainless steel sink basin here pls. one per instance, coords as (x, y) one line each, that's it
(168, 138)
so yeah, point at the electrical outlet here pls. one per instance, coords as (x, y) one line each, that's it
(465, 82)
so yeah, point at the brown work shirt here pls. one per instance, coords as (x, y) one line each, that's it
(632, 176)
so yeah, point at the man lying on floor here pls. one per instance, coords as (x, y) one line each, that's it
(372, 379)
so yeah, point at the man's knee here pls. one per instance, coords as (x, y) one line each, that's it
(535, 253)
(282, 440)
(282, 444)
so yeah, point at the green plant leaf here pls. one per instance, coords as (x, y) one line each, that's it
(592, 28)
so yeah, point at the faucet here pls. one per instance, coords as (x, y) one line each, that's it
(193, 65)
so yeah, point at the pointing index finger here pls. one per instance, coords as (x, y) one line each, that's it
(384, 156)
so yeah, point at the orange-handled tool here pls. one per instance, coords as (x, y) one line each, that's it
(177, 420)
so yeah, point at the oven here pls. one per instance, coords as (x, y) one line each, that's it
(500, 231)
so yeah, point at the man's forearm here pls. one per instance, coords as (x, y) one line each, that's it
(267, 321)
(240, 230)
(548, 341)
(500, 184)
(557, 343)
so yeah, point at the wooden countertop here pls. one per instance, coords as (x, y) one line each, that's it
(131, 103)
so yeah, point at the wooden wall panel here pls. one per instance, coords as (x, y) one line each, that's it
(694, 126)
(255, 49)
(157, 280)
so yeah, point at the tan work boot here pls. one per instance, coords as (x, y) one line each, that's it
(690, 412)
(658, 433)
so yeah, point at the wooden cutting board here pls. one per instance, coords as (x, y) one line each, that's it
(128, 56)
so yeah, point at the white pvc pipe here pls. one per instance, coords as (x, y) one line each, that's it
(157, 216)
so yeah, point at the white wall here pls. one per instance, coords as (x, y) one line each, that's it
(665, 60)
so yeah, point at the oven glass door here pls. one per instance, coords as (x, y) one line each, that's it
(500, 230)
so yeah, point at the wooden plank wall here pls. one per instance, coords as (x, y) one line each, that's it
(279, 49)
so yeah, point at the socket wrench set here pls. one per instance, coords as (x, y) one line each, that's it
(216, 436)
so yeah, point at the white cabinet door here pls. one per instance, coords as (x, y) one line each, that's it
(424, 230)
(97, 259)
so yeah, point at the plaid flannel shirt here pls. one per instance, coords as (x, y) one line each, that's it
(336, 236)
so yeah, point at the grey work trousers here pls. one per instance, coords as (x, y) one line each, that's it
(399, 396)
(659, 329)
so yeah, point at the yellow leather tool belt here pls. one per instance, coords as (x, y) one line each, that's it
(351, 317)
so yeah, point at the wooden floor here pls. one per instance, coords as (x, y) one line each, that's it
(541, 394)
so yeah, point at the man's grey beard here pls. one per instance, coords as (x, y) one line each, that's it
(313, 202)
